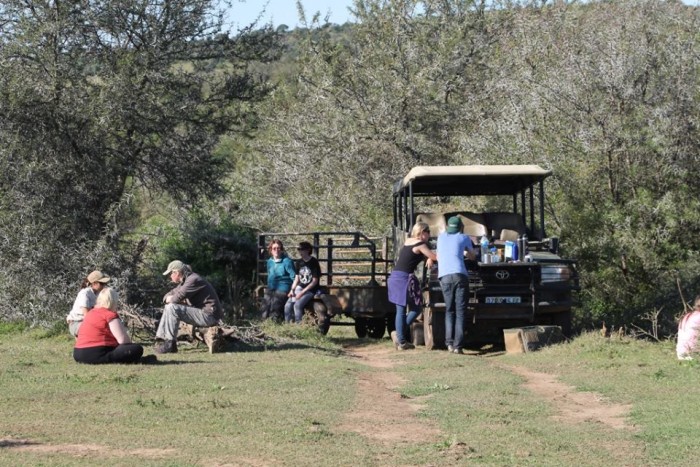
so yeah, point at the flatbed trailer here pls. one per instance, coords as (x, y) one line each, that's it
(354, 269)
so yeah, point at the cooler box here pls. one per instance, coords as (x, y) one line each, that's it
(527, 339)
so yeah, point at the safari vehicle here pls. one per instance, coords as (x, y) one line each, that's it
(503, 203)
(354, 269)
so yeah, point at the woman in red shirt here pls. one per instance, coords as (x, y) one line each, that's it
(103, 338)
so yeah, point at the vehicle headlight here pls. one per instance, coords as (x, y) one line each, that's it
(555, 273)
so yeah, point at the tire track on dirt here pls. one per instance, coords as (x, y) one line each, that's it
(380, 412)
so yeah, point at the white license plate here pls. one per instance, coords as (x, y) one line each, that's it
(502, 299)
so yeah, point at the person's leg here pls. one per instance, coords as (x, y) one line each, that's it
(126, 353)
(173, 314)
(447, 286)
(400, 323)
(461, 296)
(266, 304)
(92, 355)
(299, 306)
(289, 311)
(277, 303)
(73, 328)
(169, 322)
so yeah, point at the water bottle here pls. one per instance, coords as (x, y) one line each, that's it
(484, 247)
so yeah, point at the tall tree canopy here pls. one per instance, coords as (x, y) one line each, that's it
(98, 98)
(604, 93)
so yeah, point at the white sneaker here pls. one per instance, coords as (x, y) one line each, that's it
(394, 339)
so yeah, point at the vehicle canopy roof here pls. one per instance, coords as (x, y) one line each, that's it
(470, 180)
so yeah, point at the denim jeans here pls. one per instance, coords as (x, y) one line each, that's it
(173, 313)
(455, 289)
(298, 307)
(403, 321)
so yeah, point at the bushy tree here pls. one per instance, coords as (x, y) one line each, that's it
(606, 94)
(99, 99)
(400, 90)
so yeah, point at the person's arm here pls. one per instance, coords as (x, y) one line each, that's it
(289, 268)
(308, 288)
(428, 253)
(294, 286)
(183, 292)
(119, 331)
(471, 254)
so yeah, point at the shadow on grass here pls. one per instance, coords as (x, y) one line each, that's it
(13, 443)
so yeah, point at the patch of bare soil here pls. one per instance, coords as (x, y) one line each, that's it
(82, 450)
(573, 406)
(380, 412)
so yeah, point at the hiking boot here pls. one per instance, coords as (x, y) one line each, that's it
(166, 347)
(394, 339)
(405, 346)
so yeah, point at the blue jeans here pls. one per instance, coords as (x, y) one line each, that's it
(455, 289)
(298, 307)
(403, 320)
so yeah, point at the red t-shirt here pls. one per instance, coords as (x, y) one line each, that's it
(95, 332)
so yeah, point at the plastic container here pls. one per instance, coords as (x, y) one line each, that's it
(484, 244)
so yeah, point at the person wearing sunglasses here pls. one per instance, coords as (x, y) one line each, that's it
(402, 284)
(280, 275)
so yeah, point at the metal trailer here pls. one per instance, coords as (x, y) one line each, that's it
(537, 289)
(353, 279)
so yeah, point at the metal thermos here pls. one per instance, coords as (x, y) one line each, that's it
(522, 247)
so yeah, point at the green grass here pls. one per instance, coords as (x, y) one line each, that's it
(283, 403)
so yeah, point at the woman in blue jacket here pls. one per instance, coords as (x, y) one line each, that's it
(280, 275)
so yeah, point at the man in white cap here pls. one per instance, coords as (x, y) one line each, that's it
(454, 282)
(193, 301)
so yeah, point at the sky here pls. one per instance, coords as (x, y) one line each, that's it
(285, 11)
(280, 12)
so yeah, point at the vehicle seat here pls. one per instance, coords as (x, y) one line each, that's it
(473, 224)
(435, 220)
(510, 222)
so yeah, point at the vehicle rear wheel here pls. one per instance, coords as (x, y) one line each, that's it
(361, 327)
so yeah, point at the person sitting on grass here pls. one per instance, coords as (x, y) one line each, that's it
(688, 333)
(103, 338)
(85, 301)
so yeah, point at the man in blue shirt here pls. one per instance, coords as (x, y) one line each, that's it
(452, 273)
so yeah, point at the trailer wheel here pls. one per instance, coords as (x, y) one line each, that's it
(316, 314)
(361, 327)
(375, 327)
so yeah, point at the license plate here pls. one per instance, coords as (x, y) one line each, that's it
(502, 299)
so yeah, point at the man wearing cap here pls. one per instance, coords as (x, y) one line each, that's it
(193, 301)
(85, 301)
(452, 273)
